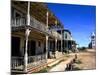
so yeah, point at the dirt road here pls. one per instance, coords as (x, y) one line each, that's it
(87, 59)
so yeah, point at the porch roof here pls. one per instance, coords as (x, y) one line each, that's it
(38, 10)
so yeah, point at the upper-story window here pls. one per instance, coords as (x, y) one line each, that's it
(17, 17)
(65, 36)
(17, 14)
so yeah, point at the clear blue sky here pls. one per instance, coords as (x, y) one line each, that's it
(79, 19)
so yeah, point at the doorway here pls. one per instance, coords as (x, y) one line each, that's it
(15, 46)
(31, 47)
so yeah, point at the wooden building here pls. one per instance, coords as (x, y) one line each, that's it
(68, 44)
(31, 34)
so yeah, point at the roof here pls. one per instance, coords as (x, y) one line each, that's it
(67, 31)
(38, 10)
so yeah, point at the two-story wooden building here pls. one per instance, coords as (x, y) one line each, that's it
(68, 44)
(31, 35)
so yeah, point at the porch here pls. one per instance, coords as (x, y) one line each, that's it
(36, 53)
(33, 61)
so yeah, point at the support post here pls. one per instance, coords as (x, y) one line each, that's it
(28, 13)
(71, 43)
(55, 47)
(26, 49)
(67, 46)
(55, 40)
(46, 47)
(61, 41)
(47, 14)
(47, 35)
(27, 32)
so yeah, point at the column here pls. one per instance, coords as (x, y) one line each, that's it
(47, 14)
(27, 32)
(28, 13)
(26, 49)
(71, 44)
(67, 45)
(61, 41)
(58, 45)
(46, 46)
(55, 47)
(47, 35)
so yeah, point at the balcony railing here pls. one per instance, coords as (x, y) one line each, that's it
(38, 25)
(18, 21)
(21, 21)
(55, 34)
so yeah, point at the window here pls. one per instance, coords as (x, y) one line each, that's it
(65, 36)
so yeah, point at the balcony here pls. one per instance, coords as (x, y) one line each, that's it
(55, 34)
(18, 21)
(21, 21)
(38, 25)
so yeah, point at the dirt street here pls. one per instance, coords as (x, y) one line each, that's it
(87, 59)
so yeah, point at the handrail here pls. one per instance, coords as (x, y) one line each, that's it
(38, 25)
(20, 21)
(18, 62)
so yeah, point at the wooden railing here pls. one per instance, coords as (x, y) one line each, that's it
(55, 34)
(21, 21)
(36, 58)
(18, 21)
(38, 25)
(18, 62)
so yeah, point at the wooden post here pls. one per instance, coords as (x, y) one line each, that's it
(47, 14)
(67, 45)
(58, 45)
(55, 40)
(71, 44)
(47, 35)
(28, 13)
(61, 41)
(46, 47)
(55, 47)
(26, 49)
(27, 32)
